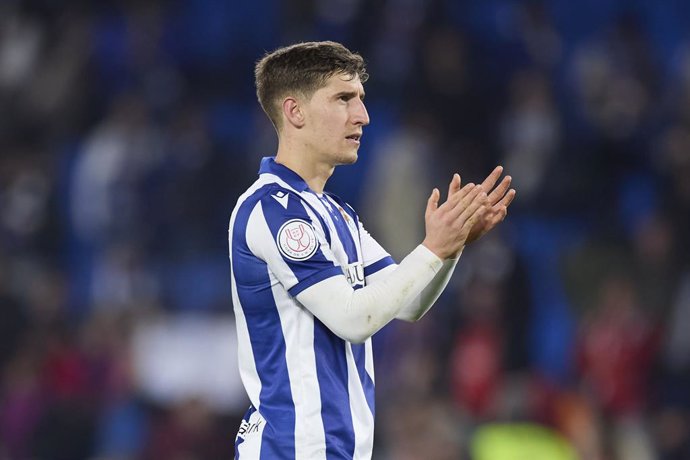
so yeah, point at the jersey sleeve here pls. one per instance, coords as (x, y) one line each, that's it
(289, 237)
(374, 257)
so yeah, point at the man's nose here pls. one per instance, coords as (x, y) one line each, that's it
(360, 116)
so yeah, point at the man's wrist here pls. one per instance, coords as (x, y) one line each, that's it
(431, 251)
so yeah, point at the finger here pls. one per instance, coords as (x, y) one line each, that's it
(508, 198)
(472, 220)
(432, 202)
(497, 215)
(500, 215)
(454, 185)
(500, 190)
(458, 196)
(462, 200)
(491, 179)
(470, 207)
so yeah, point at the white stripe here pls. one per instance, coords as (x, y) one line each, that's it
(369, 360)
(362, 418)
(298, 329)
(245, 354)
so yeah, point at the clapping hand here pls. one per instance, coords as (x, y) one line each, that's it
(499, 198)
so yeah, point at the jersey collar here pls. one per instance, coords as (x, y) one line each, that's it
(269, 166)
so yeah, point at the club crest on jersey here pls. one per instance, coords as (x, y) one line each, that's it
(297, 240)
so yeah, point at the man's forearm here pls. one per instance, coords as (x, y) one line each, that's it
(355, 315)
(421, 304)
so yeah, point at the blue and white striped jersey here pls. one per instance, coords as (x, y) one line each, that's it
(312, 393)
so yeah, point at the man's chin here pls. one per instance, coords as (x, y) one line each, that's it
(348, 159)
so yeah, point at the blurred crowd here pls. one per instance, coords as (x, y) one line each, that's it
(129, 128)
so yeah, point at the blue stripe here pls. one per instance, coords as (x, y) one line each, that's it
(378, 265)
(331, 371)
(319, 276)
(267, 341)
(359, 352)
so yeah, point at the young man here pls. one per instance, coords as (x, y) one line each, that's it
(310, 286)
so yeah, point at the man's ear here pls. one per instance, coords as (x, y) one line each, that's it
(292, 110)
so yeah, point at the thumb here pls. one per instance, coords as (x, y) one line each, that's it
(432, 202)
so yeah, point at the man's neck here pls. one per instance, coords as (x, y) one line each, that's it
(314, 172)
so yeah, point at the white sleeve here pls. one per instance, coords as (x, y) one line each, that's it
(356, 314)
(421, 304)
(424, 301)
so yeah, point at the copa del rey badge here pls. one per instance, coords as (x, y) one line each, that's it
(297, 240)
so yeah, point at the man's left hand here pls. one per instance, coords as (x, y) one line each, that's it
(500, 198)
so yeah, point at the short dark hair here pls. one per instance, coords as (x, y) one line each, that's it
(302, 68)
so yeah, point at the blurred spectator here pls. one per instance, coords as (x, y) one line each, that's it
(400, 185)
(530, 135)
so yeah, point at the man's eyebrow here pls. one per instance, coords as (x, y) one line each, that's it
(349, 94)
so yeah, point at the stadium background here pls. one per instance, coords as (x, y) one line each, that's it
(128, 129)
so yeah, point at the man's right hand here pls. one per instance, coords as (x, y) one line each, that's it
(448, 225)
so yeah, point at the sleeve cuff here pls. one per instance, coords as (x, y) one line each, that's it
(426, 256)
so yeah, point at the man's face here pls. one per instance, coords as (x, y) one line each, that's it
(334, 118)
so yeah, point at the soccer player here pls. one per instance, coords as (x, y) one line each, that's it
(310, 286)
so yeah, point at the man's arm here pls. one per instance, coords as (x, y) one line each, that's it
(417, 308)
(356, 315)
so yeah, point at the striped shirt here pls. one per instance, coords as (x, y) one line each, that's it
(312, 393)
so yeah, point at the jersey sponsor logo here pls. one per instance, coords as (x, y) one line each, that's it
(297, 240)
(355, 274)
(247, 428)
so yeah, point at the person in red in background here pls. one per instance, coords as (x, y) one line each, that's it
(615, 354)
(476, 359)
(187, 431)
(616, 349)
